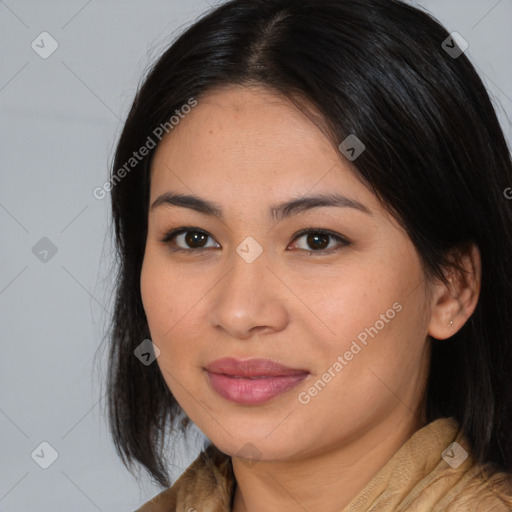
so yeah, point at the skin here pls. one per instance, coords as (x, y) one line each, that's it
(247, 148)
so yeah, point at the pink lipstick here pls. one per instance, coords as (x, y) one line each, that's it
(252, 381)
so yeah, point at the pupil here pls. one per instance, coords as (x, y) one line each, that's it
(313, 239)
(192, 236)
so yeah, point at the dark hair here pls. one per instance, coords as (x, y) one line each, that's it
(435, 156)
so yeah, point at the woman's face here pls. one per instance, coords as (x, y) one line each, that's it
(350, 315)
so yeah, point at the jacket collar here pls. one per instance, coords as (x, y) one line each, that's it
(207, 485)
(429, 469)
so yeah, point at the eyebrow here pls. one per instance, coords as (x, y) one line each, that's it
(277, 212)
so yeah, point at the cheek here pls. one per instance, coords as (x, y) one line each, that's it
(165, 308)
(171, 304)
(158, 294)
(376, 321)
(353, 303)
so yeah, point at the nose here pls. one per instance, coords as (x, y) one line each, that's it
(249, 299)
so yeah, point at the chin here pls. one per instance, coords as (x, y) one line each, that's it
(253, 448)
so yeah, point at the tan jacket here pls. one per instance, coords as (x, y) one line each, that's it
(427, 474)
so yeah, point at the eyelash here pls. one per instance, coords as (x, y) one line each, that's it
(178, 231)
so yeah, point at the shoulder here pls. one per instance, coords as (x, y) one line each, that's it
(208, 480)
(482, 489)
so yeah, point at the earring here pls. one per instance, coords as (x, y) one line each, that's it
(451, 323)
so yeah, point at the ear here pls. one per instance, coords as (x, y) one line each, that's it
(453, 304)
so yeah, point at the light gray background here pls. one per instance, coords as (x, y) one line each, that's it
(60, 120)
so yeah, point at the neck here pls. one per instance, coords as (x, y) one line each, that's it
(326, 480)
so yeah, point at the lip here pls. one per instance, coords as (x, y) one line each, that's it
(252, 381)
(251, 368)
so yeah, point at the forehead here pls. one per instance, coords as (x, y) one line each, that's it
(252, 143)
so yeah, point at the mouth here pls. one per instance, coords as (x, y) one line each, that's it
(252, 381)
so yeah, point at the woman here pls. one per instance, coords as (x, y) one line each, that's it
(314, 243)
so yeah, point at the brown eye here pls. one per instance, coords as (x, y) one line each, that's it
(317, 240)
(192, 238)
(188, 239)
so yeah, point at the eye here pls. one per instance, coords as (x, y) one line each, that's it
(194, 237)
(319, 240)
